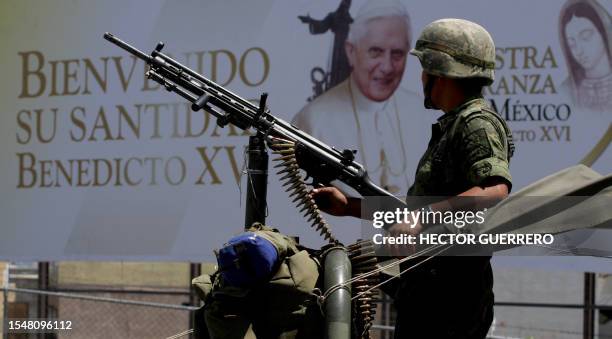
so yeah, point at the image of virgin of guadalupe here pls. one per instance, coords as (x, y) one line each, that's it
(585, 30)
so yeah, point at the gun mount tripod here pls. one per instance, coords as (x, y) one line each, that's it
(341, 263)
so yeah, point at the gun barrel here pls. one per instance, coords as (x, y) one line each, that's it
(133, 50)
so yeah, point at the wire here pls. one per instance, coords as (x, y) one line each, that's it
(182, 334)
(402, 272)
(429, 249)
(552, 330)
(336, 287)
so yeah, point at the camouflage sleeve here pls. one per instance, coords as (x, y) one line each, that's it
(484, 150)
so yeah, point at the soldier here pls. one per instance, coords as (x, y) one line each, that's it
(468, 155)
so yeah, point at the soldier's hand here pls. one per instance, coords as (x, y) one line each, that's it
(331, 200)
(408, 230)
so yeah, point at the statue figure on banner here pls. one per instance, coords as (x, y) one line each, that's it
(369, 111)
(585, 30)
(338, 22)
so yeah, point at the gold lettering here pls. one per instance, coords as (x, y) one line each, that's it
(117, 172)
(126, 172)
(53, 78)
(77, 123)
(26, 91)
(513, 51)
(208, 166)
(189, 133)
(82, 172)
(101, 123)
(516, 81)
(502, 86)
(125, 116)
(549, 84)
(549, 57)
(124, 81)
(97, 171)
(534, 84)
(156, 112)
(90, 68)
(62, 169)
(154, 162)
(183, 171)
(266, 66)
(529, 55)
(214, 65)
(40, 124)
(24, 126)
(70, 75)
(44, 173)
(24, 169)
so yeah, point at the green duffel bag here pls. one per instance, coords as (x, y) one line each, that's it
(283, 307)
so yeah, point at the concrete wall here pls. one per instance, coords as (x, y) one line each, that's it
(123, 274)
(126, 274)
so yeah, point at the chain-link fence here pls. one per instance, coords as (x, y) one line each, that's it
(108, 314)
(530, 321)
(162, 314)
(96, 315)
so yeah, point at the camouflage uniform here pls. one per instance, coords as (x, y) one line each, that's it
(452, 297)
(467, 146)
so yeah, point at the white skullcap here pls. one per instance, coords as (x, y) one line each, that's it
(376, 9)
(379, 8)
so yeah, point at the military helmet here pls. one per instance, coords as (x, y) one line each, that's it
(456, 48)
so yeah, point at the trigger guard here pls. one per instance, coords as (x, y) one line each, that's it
(311, 183)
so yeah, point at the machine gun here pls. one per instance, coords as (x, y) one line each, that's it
(298, 149)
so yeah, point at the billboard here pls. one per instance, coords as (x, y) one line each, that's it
(98, 162)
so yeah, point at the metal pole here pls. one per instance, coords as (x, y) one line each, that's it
(195, 270)
(43, 285)
(338, 303)
(589, 306)
(387, 307)
(257, 181)
(4, 312)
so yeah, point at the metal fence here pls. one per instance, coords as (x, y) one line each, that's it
(160, 314)
(98, 315)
